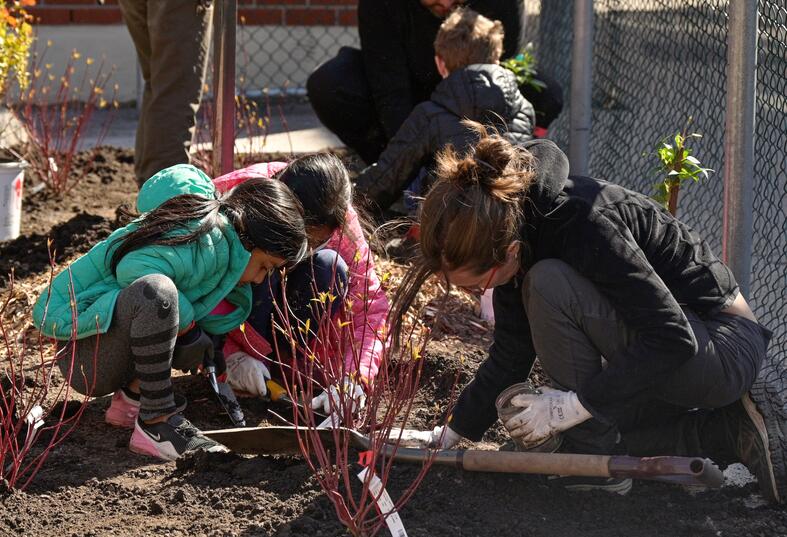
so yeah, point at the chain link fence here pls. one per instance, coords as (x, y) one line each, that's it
(279, 59)
(655, 64)
(769, 263)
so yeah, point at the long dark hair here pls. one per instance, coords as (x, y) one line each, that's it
(265, 214)
(471, 215)
(322, 185)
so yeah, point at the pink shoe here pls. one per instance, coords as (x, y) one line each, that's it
(123, 411)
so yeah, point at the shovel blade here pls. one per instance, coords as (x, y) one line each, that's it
(276, 440)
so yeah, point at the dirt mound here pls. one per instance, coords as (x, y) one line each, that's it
(28, 255)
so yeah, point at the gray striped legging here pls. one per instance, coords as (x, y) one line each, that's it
(138, 345)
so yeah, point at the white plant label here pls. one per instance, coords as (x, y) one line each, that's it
(384, 504)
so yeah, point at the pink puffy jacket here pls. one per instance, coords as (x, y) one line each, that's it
(365, 293)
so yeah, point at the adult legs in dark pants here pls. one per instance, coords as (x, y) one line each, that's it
(172, 40)
(699, 411)
(324, 272)
(342, 99)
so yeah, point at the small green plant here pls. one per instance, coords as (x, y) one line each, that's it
(523, 65)
(676, 165)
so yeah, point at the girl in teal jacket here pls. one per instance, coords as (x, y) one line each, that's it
(141, 302)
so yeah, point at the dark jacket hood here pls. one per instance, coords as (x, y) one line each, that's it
(483, 92)
(551, 175)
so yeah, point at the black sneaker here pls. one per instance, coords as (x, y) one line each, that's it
(616, 485)
(170, 439)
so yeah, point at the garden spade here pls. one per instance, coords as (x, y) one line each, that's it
(680, 470)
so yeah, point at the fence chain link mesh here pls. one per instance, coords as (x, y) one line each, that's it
(655, 64)
(769, 263)
(279, 59)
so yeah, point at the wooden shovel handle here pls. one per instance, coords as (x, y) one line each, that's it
(535, 463)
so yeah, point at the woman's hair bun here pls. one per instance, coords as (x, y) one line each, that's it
(494, 164)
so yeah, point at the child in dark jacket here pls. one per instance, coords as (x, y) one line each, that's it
(475, 87)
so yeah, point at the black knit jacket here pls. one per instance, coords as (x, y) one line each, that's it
(486, 93)
(397, 43)
(649, 265)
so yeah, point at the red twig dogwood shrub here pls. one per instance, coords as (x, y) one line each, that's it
(55, 111)
(314, 359)
(37, 405)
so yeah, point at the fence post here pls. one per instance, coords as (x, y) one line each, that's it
(581, 87)
(739, 140)
(224, 21)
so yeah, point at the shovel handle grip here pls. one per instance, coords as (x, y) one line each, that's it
(681, 470)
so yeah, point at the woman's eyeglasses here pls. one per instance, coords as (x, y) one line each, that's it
(481, 290)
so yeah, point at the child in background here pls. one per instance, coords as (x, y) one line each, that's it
(340, 263)
(145, 296)
(467, 53)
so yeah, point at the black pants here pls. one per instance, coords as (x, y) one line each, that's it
(342, 99)
(575, 329)
(323, 272)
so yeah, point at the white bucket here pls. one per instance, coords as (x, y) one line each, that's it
(12, 176)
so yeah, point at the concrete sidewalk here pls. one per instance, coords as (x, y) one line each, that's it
(293, 129)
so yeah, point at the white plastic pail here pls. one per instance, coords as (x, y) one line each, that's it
(12, 177)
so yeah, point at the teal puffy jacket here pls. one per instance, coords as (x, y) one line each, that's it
(204, 271)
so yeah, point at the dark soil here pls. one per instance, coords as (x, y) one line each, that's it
(93, 485)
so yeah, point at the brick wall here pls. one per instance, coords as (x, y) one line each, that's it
(251, 12)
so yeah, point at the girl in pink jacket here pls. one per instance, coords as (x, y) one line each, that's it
(341, 264)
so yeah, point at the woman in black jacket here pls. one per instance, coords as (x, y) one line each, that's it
(640, 327)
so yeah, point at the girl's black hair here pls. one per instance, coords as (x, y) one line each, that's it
(322, 185)
(265, 214)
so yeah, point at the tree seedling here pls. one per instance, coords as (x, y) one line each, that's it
(675, 166)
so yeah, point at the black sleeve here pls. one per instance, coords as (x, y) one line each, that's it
(218, 353)
(511, 358)
(602, 248)
(381, 185)
(511, 14)
(385, 62)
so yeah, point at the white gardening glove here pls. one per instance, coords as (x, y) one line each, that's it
(441, 437)
(545, 414)
(247, 374)
(350, 388)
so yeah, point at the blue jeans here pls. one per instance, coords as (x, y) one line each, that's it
(323, 272)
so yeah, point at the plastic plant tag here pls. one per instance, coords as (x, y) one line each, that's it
(385, 504)
(34, 420)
